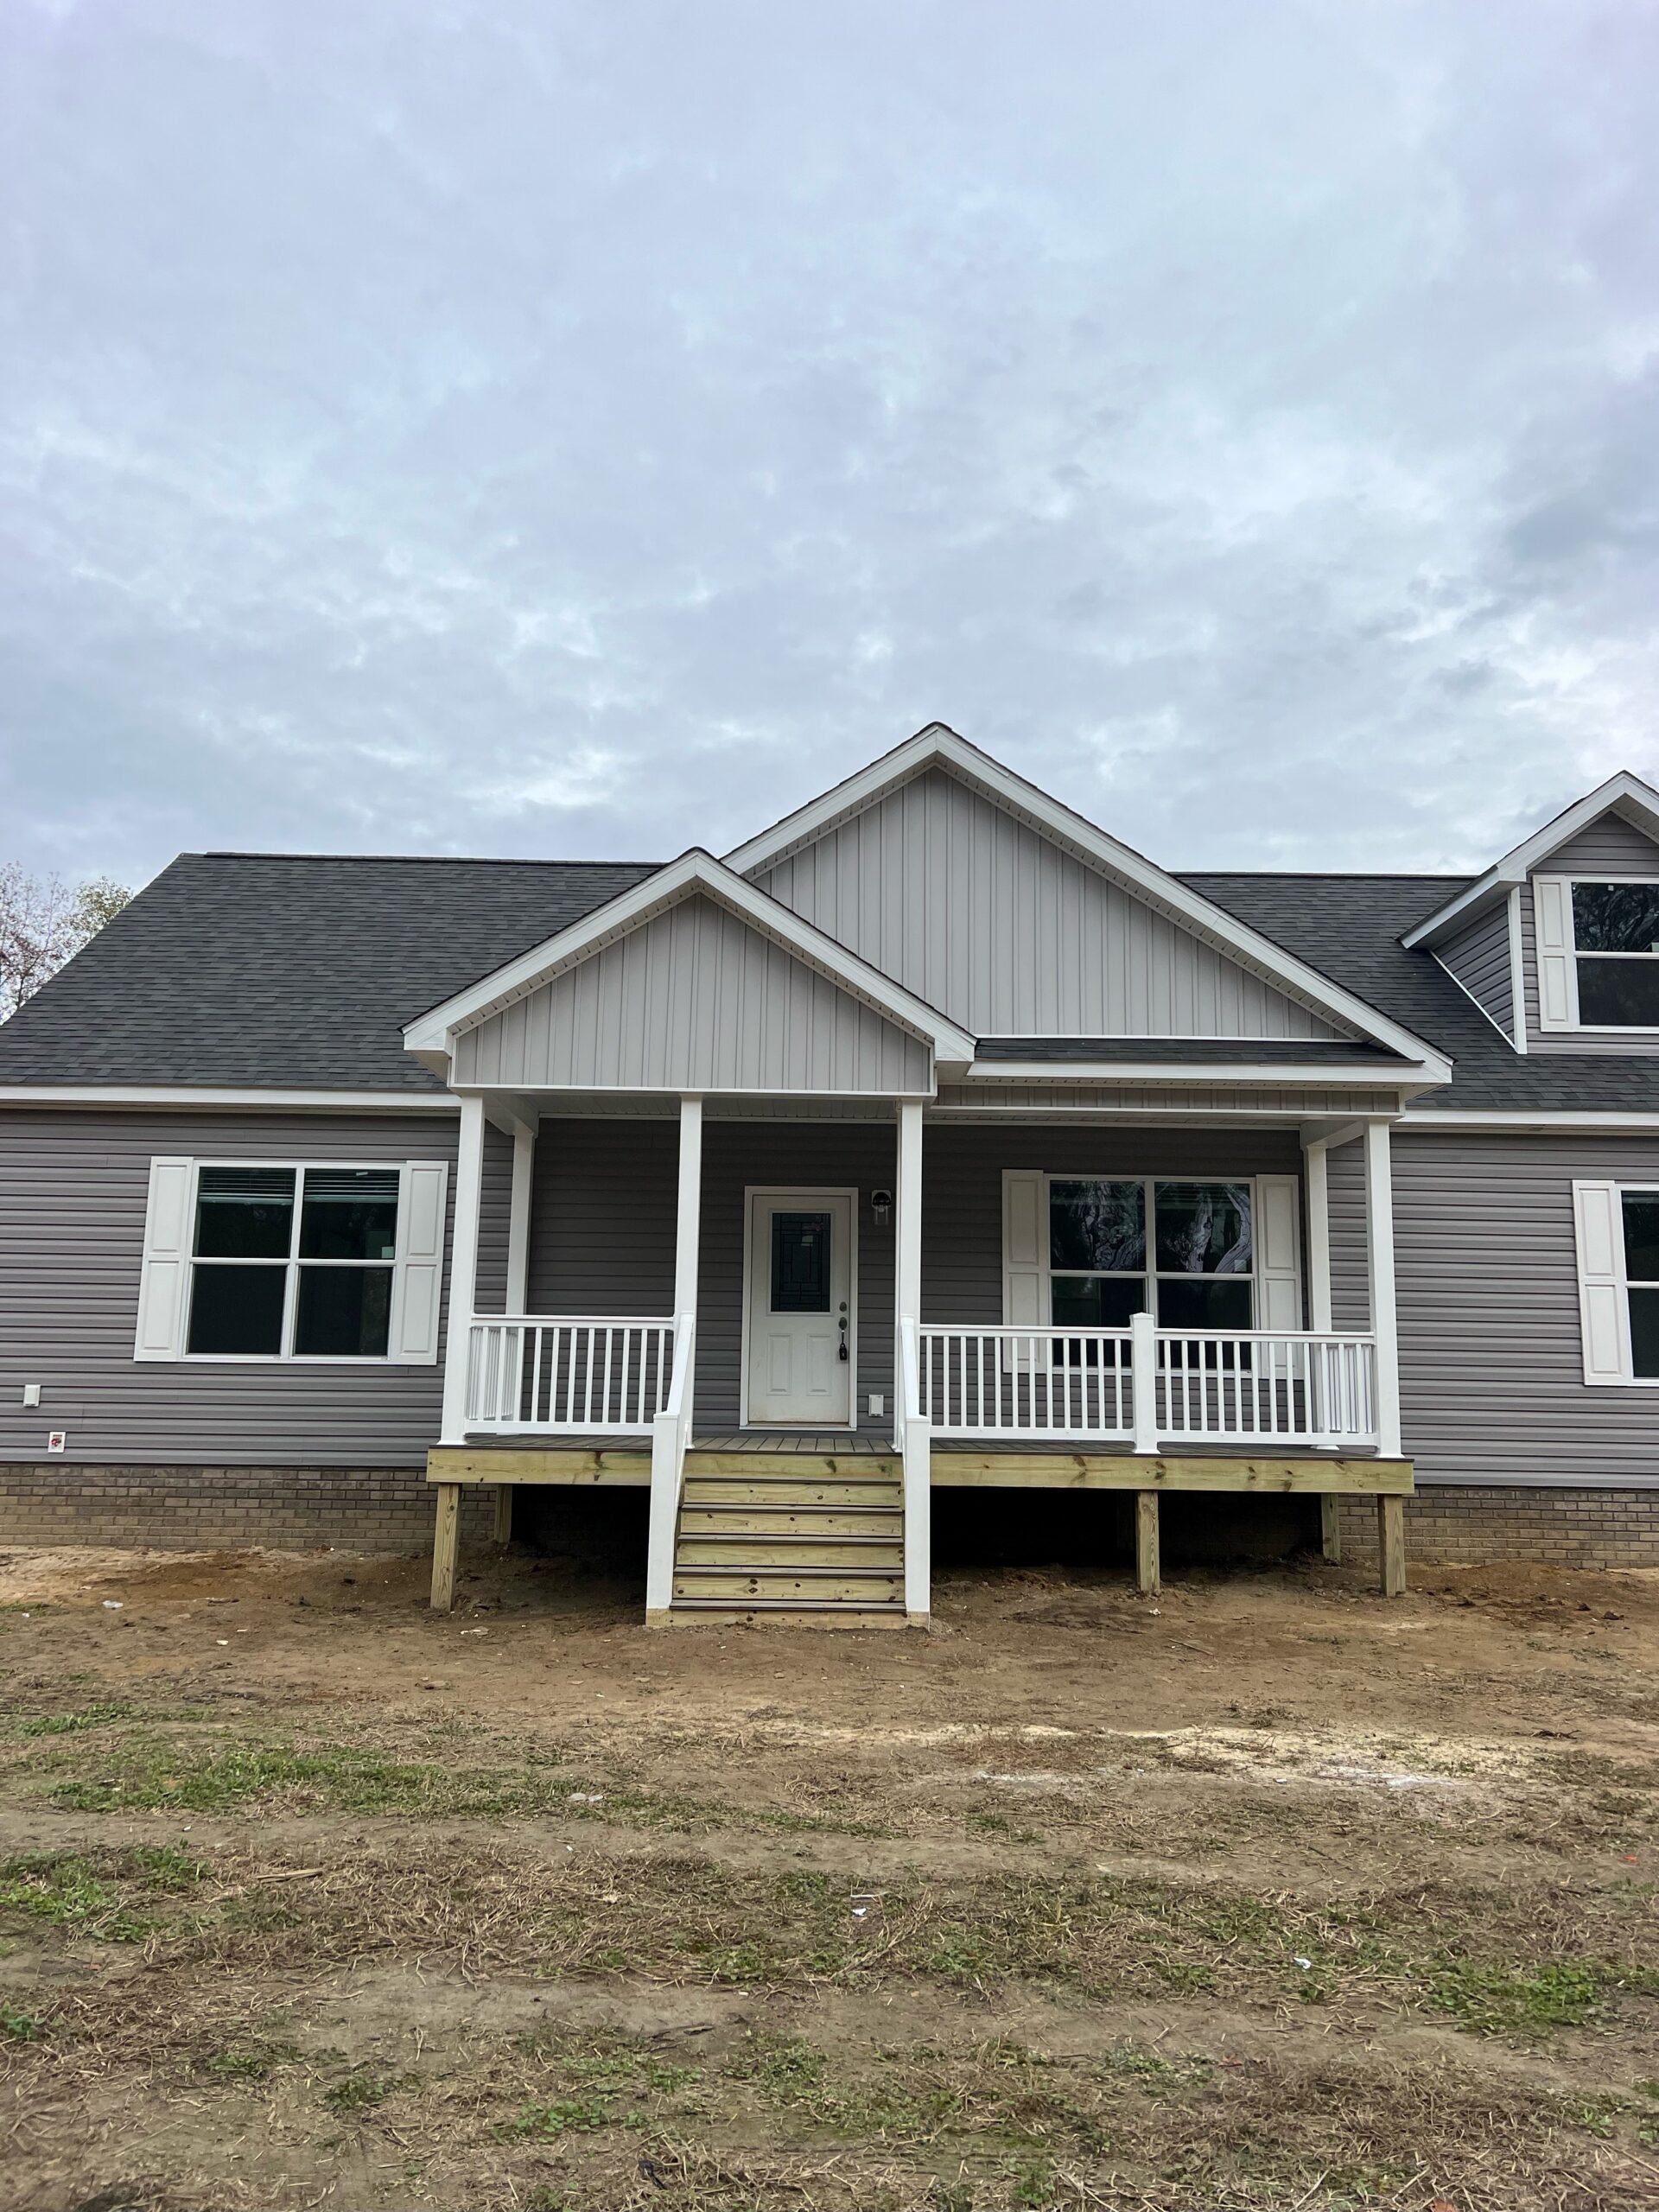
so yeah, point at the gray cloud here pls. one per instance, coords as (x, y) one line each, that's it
(517, 427)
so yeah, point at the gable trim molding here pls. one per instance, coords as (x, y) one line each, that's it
(695, 871)
(1623, 794)
(938, 744)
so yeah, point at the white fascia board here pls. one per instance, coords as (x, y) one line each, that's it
(1624, 791)
(1414, 1077)
(694, 871)
(1520, 1119)
(183, 1097)
(1094, 847)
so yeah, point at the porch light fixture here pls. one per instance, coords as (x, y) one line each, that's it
(882, 1207)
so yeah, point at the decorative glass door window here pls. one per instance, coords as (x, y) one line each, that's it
(800, 1263)
(1202, 1268)
(1616, 946)
(293, 1262)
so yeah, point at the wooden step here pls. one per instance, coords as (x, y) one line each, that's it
(791, 1552)
(798, 1466)
(707, 1490)
(735, 1586)
(799, 1521)
(887, 1612)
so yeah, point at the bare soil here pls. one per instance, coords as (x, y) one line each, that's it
(1265, 1893)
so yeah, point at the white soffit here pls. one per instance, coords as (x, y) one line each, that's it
(938, 744)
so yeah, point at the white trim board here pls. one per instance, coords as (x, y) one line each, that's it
(938, 744)
(184, 1096)
(695, 871)
(1387, 1077)
(1638, 802)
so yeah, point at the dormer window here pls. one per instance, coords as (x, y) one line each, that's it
(1597, 953)
(1616, 944)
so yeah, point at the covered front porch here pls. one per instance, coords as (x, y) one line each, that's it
(793, 1324)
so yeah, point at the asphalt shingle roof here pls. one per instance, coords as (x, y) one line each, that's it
(270, 971)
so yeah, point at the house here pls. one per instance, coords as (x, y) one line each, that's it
(932, 1138)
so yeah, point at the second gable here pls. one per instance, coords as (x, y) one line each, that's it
(984, 917)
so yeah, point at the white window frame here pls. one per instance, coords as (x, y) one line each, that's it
(1150, 1275)
(1556, 953)
(402, 1264)
(1609, 1357)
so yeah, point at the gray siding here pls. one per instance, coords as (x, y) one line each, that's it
(602, 1233)
(1125, 1099)
(1479, 959)
(1610, 848)
(494, 1222)
(74, 1189)
(961, 1191)
(1490, 1364)
(1350, 1290)
(694, 1000)
(987, 919)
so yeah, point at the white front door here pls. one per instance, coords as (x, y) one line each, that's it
(800, 1319)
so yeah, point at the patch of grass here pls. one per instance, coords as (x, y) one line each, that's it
(361, 2092)
(1519, 2002)
(249, 2061)
(545, 2123)
(73, 1724)
(21, 2027)
(61, 1887)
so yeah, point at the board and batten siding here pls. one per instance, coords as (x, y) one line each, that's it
(1479, 957)
(1609, 848)
(602, 1233)
(989, 920)
(74, 1188)
(1492, 1362)
(693, 999)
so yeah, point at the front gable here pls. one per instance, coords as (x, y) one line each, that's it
(694, 998)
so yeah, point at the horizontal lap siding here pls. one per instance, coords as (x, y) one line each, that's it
(1610, 848)
(1479, 959)
(74, 1189)
(602, 1232)
(962, 1192)
(989, 921)
(1490, 1363)
(695, 1000)
(1350, 1290)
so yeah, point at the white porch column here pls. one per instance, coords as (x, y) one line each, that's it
(463, 1266)
(523, 1171)
(1379, 1251)
(689, 1218)
(914, 1436)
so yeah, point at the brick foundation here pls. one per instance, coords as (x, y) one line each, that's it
(209, 1508)
(1471, 1525)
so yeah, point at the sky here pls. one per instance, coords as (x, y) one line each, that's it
(586, 430)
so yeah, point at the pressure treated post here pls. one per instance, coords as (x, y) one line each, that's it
(1391, 1543)
(446, 1539)
(503, 1513)
(1147, 1578)
(1331, 1527)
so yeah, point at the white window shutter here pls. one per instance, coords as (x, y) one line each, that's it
(1279, 1251)
(1025, 1257)
(1552, 929)
(417, 1291)
(164, 1277)
(1604, 1314)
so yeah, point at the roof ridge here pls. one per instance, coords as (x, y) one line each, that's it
(417, 859)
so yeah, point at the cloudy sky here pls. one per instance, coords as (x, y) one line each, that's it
(591, 427)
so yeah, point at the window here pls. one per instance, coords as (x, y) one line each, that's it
(1597, 947)
(1617, 1227)
(275, 1261)
(1201, 1274)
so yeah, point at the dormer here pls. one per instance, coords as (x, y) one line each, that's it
(1558, 943)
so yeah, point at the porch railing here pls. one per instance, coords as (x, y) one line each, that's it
(1149, 1387)
(607, 1377)
(670, 1436)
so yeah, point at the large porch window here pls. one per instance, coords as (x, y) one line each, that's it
(1196, 1270)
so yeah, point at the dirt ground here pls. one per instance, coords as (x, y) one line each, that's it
(1266, 1893)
